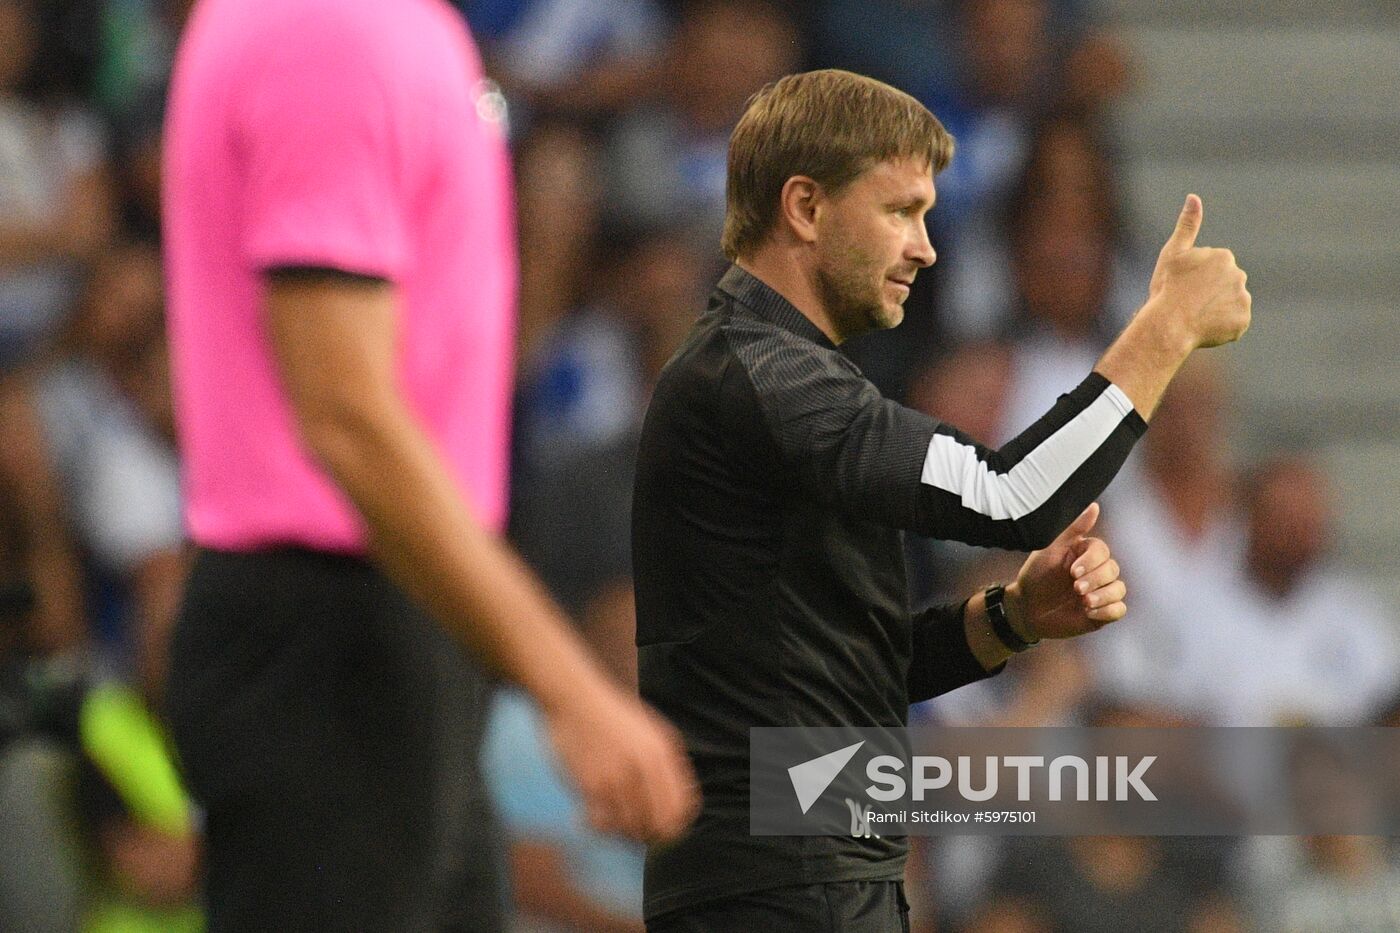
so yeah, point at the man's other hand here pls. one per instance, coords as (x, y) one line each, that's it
(628, 764)
(1068, 588)
(1203, 288)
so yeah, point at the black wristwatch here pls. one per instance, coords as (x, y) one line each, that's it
(995, 597)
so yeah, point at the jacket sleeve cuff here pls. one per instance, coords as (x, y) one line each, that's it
(942, 660)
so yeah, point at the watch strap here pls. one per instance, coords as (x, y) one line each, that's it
(995, 597)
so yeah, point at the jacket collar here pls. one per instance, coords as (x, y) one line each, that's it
(751, 292)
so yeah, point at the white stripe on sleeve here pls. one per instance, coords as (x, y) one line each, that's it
(955, 467)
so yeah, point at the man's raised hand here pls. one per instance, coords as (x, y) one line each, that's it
(1202, 285)
(1197, 299)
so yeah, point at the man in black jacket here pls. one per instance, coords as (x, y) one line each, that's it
(774, 481)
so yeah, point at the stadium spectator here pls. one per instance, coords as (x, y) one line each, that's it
(55, 197)
(588, 377)
(89, 470)
(1344, 884)
(1012, 59)
(1005, 76)
(1311, 663)
(1063, 247)
(1225, 639)
(40, 539)
(1068, 172)
(1098, 884)
(558, 191)
(583, 57)
(98, 473)
(666, 161)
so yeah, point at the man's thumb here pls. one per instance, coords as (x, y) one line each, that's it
(1188, 225)
(1081, 525)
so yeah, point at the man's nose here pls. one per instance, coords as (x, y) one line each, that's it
(921, 249)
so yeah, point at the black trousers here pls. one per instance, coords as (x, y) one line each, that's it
(330, 729)
(835, 907)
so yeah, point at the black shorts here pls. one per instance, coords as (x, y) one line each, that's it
(835, 907)
(330, 729)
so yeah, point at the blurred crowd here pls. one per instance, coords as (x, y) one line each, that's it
(619, 115)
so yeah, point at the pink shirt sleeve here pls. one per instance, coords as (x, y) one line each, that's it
(322, 139)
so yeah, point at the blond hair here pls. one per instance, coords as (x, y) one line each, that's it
(828, 125)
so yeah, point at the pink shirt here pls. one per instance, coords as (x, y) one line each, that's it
(353, 134)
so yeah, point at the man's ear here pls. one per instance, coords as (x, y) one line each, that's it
(797, 207)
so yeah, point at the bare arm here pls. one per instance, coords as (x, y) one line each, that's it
(334, 340)
(25, 467)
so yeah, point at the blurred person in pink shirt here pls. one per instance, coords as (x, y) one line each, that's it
(342, 283)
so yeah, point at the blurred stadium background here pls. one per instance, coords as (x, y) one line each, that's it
(1257, 525)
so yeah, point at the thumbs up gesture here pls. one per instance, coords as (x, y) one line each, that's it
(1204, 286)
(1071, 587)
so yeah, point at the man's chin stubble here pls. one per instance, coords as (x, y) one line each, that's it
(887, 318)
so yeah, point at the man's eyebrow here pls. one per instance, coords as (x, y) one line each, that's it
(917, 201)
